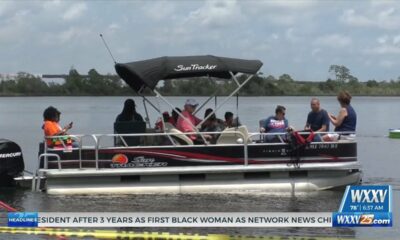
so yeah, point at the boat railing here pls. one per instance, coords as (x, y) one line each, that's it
(38, 175)
(281, 137)
(242, 138)
(77, 144)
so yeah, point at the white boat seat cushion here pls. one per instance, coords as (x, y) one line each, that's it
(232, 135)
(180, 137)
(168, 126)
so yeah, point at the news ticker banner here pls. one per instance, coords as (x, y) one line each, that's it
(169, 219)
(362, 206)
(365, 206)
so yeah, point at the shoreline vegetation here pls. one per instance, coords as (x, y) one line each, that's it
(95, 84)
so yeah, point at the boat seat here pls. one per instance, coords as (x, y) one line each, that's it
(168, 126)
(347, 138)
(232, 135)
(181, 138)
(126, 128)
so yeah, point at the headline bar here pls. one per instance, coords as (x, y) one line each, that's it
(178, 219)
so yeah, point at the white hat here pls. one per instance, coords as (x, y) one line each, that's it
(191, 102)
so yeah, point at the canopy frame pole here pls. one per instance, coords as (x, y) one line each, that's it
(229, 97)
(209, 98)
(237, 110)
(162, 121)
(157, 110)
(180, 114)
(203, 104)
(234, 78)
(215, 102)
(147, 113)
(151, 104)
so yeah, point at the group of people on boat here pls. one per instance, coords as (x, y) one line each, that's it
(186, 121)
(318, 120)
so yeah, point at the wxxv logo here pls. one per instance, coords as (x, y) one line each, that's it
(365, 206)
(362, 220)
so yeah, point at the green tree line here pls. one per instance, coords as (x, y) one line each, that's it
(95, 84)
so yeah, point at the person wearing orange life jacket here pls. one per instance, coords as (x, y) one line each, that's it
(51, 127)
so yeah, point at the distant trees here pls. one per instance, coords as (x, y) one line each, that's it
(95, 84)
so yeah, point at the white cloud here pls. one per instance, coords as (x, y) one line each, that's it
(386, 63)
(383, 39)
(67, 36)
(387, 18)
(75, 11)
(281, 12)
(383, 49)
(218, 14)
(159, 10)
(282, 19)
(290, 36)
(14, 27)
(215, 18)
(333, 41)
(6, 7)
(351, 18)
(113, 27)
(287, 4)
(273, 31)
(396, 39)
(52, 5)
(315, 52)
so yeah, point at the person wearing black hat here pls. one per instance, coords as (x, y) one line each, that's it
(129, 112)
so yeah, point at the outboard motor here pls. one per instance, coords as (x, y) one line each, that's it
(11, 162)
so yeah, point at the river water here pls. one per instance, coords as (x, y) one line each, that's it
(21, 120)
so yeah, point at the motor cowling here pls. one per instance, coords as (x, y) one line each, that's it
(11, 159)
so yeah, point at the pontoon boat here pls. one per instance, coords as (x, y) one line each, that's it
(169, 161)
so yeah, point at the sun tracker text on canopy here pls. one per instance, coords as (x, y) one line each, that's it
(147, 73)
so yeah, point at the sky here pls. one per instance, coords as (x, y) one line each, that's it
(298, 37)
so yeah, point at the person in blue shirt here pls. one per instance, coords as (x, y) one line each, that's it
(317, 119)
(346, 120)
(275, 124)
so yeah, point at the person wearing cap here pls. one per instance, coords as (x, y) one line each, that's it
(188, 123)
(129, 112)
(51, 127)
